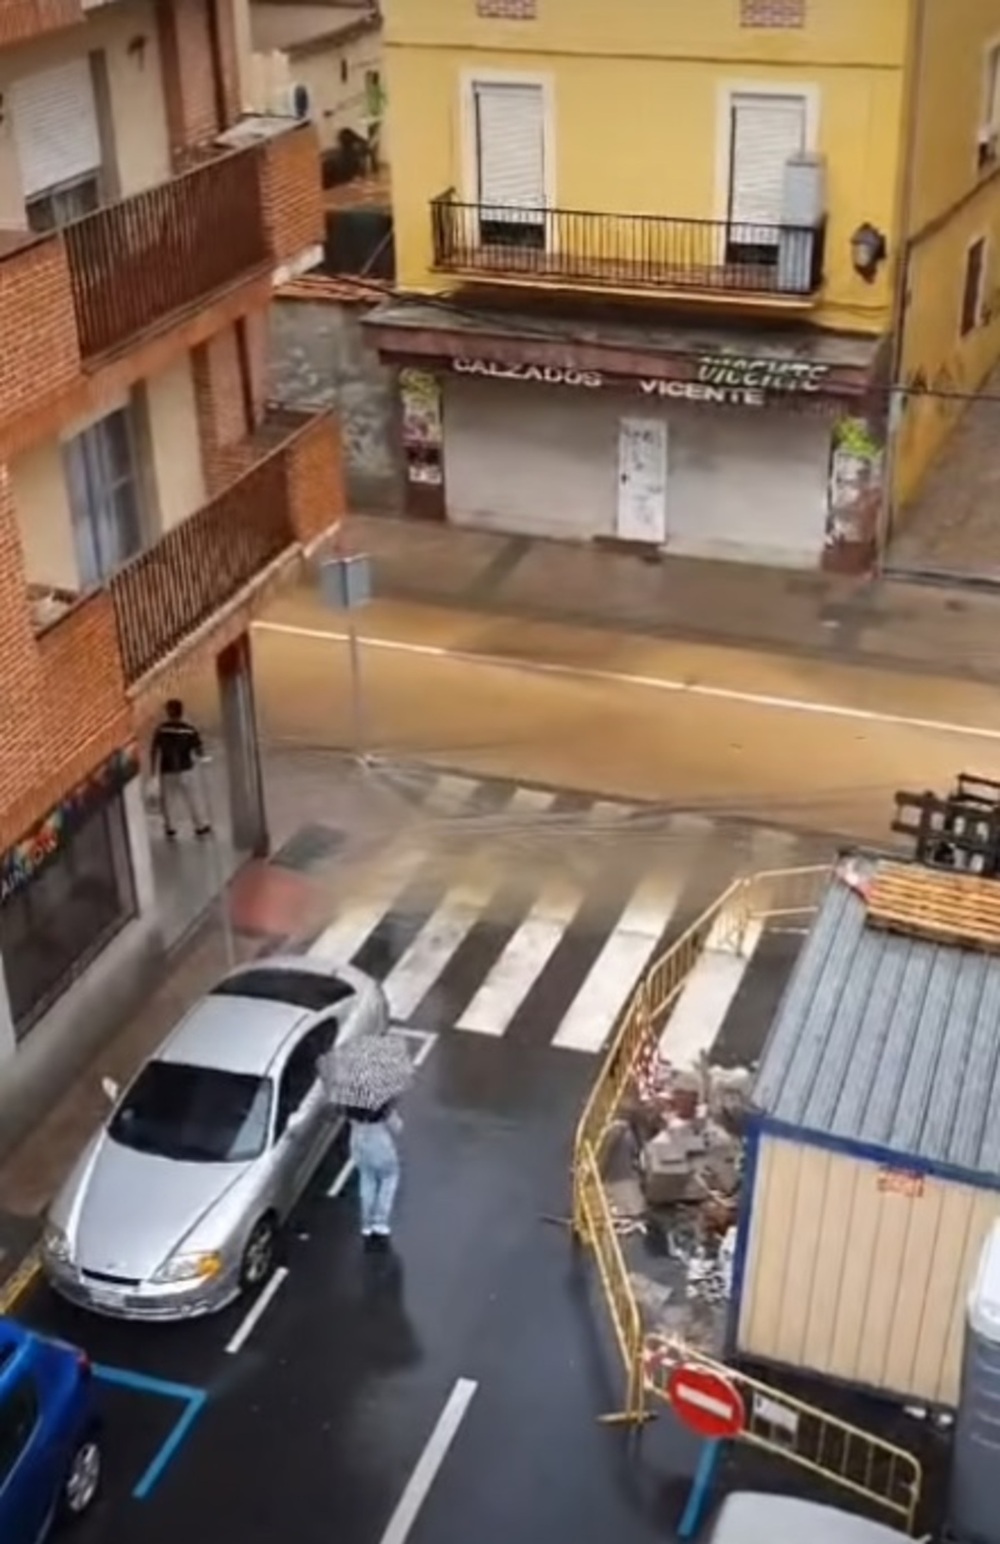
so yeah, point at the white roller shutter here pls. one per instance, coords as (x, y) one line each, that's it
(55, 126)
(510, 145)
(766, 132)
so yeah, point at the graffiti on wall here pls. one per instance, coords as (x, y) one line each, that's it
(857, 464)
(20, 864)
(420, 396)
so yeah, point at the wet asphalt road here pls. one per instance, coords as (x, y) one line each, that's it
(312, 1429)
(312, 1426)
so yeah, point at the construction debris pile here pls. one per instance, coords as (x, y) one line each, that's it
(683, 1197)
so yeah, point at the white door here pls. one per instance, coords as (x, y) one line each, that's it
(54, 116)
(642, 480)
(510, 150)
(765, 132)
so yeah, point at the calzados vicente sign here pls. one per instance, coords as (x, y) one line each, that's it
(719, 378)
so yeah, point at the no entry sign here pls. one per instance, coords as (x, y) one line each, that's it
(706, 1401)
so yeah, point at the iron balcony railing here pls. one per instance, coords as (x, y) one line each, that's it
(136, 263)
(625, 251)
(167, 592)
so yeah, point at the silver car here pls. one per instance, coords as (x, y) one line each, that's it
(175, 1206)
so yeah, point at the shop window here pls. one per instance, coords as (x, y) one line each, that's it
(972, 289)
(52, 928)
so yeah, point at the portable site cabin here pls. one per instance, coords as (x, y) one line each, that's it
(872, 1173)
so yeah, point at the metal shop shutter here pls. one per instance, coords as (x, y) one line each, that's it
(766, 131)
(55, 126)
(510, 142)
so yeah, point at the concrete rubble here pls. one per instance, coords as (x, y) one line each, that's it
(687, 1124)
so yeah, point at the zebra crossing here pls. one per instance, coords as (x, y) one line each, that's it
(507, 911)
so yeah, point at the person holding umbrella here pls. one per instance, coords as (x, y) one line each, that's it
(366, 1078)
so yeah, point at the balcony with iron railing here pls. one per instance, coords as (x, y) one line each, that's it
(73, 296)
(168, 593)
(585, 250)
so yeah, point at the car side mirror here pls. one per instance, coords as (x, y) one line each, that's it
(295, 1122)
(111, 1090)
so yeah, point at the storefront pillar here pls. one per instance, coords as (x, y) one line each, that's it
(8, 1040)
(247, 812)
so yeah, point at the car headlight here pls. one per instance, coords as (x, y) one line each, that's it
(55, 1244)
(190, 1267)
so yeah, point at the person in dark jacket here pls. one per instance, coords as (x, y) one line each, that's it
(177, 754)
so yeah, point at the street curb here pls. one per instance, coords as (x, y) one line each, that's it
(16, 1283)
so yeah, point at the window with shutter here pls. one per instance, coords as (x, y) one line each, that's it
(55, 127)
(510, 156)
(765, 132)
(972, 288)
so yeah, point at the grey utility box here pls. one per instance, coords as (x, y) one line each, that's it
(973, 1513)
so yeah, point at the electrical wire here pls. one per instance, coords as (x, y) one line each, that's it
(522, 329)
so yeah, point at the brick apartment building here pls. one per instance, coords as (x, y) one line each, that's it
(149, 494)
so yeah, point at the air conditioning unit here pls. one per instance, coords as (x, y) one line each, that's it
(987, 146)
(293, 101)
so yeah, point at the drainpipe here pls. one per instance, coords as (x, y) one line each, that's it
(215, 50)
(904, 212)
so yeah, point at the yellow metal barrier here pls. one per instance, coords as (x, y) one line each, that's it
(884, 1475)
(854, 1459)
(597, 1229)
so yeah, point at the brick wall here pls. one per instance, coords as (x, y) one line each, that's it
(291, 193)
(63, 695)
(23, 20)
(188, 75)
(39, 351)
(315, 479)
(220, 402)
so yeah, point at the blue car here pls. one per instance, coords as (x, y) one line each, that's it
(50, 1452)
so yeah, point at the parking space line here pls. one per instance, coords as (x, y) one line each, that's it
(257, 1311)
(192, 1399)
(433, 1456)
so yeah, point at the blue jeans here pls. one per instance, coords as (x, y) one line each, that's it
(377, 1161)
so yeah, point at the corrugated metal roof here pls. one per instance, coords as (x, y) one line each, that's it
(889, 1042)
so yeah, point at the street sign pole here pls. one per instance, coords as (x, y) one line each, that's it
(357, 693)
(346, 586)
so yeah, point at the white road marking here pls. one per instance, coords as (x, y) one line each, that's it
(257, 1311)
(611, 979)
(413, 975)
(651, 683)
(526, 955)
(357, 921)
(706, 999)
(341, 1179)
(429, 1463)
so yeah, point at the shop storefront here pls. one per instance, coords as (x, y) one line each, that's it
(68, 891)
(762, 454)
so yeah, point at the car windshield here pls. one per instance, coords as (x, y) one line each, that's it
(194, 1114)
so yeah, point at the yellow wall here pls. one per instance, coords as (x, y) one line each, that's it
(141, 150)
(952, 204)
(635, 106)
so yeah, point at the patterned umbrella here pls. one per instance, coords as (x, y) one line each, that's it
(367, 1073)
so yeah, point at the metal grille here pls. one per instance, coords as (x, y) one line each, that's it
(772, 13)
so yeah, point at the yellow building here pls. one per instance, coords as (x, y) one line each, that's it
(652, 262)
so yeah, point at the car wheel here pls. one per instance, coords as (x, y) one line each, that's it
(258, 1256)
(83, 1478)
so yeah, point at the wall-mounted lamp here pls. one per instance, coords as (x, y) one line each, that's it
(868, 250)
(137, 49)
